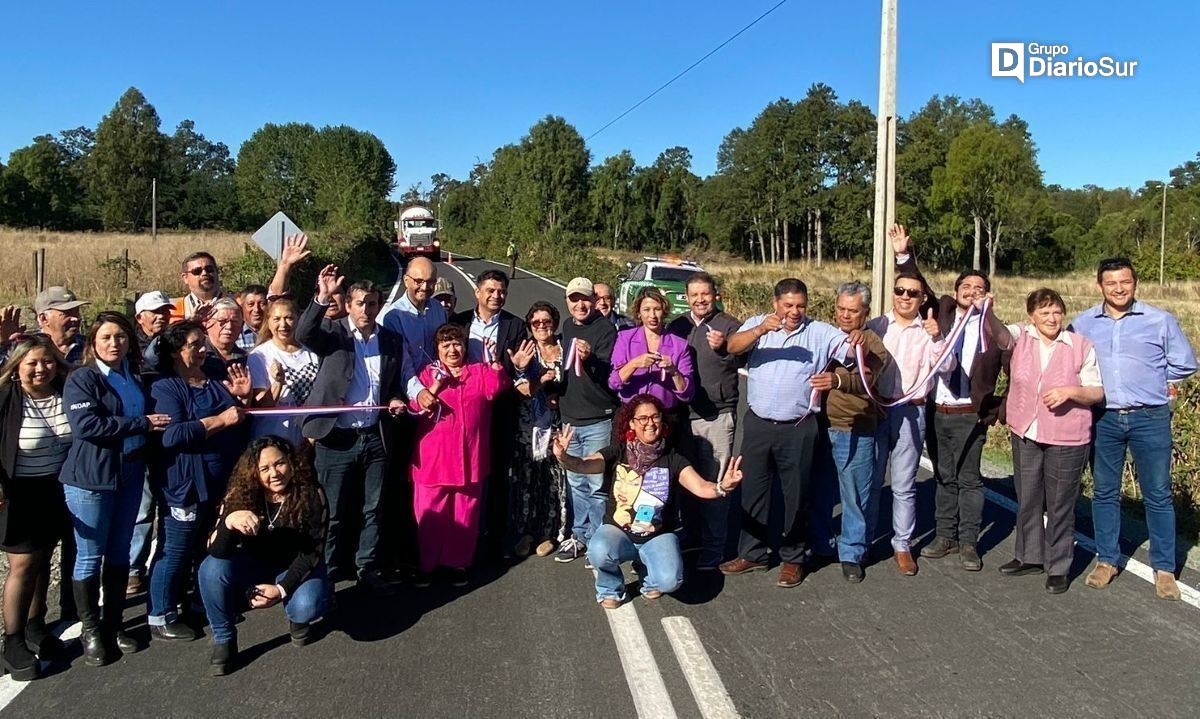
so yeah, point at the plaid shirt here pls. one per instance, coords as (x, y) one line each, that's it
(247, 339)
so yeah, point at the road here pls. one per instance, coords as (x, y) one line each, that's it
(529, 641)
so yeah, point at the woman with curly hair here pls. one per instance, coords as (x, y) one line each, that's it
(642, 478)
(267, 548)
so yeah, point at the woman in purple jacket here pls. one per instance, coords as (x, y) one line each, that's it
(648, 360)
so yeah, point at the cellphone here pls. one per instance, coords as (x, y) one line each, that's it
(253, 592)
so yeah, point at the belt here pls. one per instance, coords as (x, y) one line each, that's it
(1139, 408)
(956, 409)
(918, 402)
(794, 420)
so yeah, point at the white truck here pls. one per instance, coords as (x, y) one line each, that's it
(417, 234)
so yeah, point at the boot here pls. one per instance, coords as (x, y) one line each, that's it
(41, 641)
(115, 579)
(223, 658)
(87, 603)
(18, 660)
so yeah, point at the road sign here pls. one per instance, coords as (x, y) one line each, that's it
(271, 235)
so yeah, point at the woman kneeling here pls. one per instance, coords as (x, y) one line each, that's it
(642, 479)
(267, 547)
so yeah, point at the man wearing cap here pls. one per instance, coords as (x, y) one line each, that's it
(57, 311)
(443, 294)
(588, 405)
(152, 313)
(203, 281)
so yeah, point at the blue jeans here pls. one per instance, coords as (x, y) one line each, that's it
(1147, 435)
(180, 549)
(103, 521)
(139, 549)
(610, 546)
(900, 437)
(854, 460)
(587, 501)
(224, 582)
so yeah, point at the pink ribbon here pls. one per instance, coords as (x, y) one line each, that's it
(574, 361)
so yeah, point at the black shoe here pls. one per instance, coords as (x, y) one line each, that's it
(970, 558)
(1057, 583)
(41, 641)
(173, 631)
(299, 633)
(18, 660)
(222, 659)
(939, 548)
(125, 643)
(852, 572)
(1017, 568)
(371, 579)
(459, 578)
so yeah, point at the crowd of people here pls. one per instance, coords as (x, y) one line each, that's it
(269, 446)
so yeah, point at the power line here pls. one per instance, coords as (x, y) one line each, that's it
(686, 70)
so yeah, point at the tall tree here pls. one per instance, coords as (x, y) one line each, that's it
(611, 196)
(129, 153)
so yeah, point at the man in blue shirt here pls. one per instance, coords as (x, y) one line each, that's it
(1140, 350)
(786, 349)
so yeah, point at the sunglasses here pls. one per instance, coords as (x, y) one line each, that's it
(541, 323)
(205, 270)
(907, 292)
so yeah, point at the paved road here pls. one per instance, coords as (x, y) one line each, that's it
(529, 641)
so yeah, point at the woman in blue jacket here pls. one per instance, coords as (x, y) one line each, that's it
(103, 476)
(200, 447)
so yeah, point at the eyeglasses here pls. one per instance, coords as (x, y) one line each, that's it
(541, 323)
(222, 323)
(647, 419)
(422, 280)
(607, 298)
(205, 270)
(907, 292)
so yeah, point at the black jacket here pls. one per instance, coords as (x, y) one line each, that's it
(587, 398)
(334, 344)
(716, 372)
(94, 412)
(508, 335)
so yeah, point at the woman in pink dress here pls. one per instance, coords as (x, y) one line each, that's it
(452, 455)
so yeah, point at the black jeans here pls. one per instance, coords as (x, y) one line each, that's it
(956, 446)
(351, 466)
(776, 453)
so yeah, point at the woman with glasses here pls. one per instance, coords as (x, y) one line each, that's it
(103, 476)
(648, 360)
(538, 482)
(642, 478)
(452, 455)
(34, 438)
(200, 447)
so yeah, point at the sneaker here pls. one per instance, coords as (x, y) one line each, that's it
(570, 551)
(459, 578)
(587, 563)
(422, 580)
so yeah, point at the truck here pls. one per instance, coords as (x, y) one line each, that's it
(417, 234)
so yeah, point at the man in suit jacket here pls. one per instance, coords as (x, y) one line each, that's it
(494, 333)
(360, 365)
(965, 405)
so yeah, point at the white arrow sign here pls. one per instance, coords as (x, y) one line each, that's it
(270, 236)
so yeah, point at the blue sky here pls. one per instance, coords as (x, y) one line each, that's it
(445, 83)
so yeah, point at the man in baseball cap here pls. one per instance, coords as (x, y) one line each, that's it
(152, 312)
(57, 310)
(443, 294)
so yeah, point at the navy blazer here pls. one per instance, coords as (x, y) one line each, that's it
(333, 342)
(94, 411)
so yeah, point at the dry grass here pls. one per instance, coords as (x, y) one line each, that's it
(87, 263)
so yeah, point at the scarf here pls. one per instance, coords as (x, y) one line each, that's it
(640, 456)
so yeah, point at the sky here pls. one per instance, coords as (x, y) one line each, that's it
(444, 84)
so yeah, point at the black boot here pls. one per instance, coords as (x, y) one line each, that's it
(87, 603)
(18, 660)
(41, 641)
(223, 658)
(115, 580)
(299, 632)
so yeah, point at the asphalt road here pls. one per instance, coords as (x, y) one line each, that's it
(529, 641)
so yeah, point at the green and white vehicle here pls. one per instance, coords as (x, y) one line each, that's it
(669, 276)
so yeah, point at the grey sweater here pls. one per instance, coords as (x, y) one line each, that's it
(717, 379)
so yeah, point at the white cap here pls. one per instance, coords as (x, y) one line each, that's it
(152, 301)
(580, 286)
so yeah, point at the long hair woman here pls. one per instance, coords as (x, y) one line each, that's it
(268, 546)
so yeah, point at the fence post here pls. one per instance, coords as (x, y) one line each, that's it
(39, 268)
(125, 268)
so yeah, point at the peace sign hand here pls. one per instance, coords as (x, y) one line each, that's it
(733, 475)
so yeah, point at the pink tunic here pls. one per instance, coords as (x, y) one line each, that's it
(453, 447)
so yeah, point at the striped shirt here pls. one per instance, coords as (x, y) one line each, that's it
(45, 438)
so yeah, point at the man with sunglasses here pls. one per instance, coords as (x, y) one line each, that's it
(914, 341)
(203, 281)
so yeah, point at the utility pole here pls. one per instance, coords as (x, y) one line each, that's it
(154, 208)
(1162, 241)
(883, 266)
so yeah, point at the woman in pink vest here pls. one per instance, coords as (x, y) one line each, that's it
(451, 458)
(1053, 381)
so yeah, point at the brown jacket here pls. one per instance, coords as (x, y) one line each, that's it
(849, 408)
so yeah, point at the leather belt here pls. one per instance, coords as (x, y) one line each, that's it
(956, 409)
(1139, 408)
(777, 421)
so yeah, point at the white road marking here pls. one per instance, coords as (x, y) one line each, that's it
(1135, 567)
(559, 285)
(466, 275)
(399, 281)
(650, 697)
(706, 685)
(9, 689)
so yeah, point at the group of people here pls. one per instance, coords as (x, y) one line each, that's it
(273, 446)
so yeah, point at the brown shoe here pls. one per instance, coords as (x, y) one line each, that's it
(610, 603)
(906, 564)
(651, 594)
(135, 585)
(1101, 576)
(790, 575)
(741, 566)
(546, 548)
(1165, 586)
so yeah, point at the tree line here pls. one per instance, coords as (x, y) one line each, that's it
(797, 182)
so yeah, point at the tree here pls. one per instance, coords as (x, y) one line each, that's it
(611, 196)
(555, 162)
(198, 190)
(129, 153)
(272, 173)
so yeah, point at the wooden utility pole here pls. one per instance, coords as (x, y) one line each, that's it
(1162, 240)
(883, 267)
(154, 208)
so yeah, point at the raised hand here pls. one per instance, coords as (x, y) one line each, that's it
(276, 371)
(733, 475)
(771, 323)
(562, 440)
(931, 325)
(328, 282)
(899, 237)
(523, 356)
(716, 339)
(295, 250)
(238, 383)
(10, 322)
